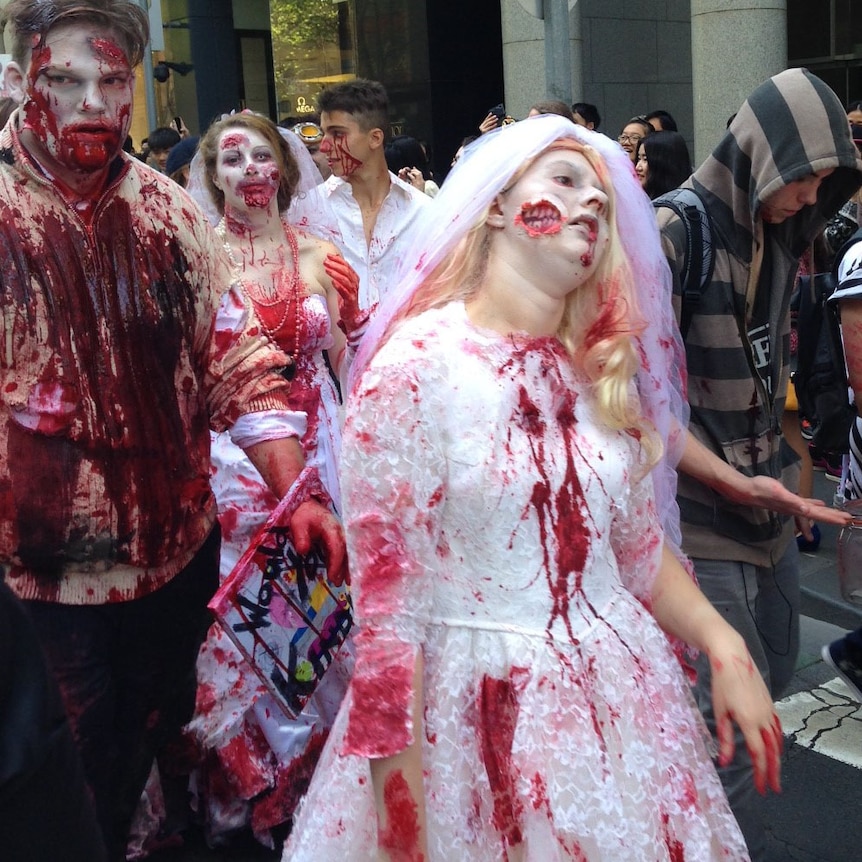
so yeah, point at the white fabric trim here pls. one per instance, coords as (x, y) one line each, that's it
(264, 425)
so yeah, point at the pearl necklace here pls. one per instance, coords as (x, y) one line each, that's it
(260, 299)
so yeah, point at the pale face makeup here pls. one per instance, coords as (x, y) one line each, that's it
(559, 205)
(78, 103)
(247, 171)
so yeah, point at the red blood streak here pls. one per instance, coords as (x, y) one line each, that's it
(246, 765)
(610, 320)
(291, 784)
(232, 140)
(539, 793)
(110, 51)
(401, 837)
(498, 719)
(676, 852)
(382, 691)
(588, 256)
(341, 153)
(118, 342)
(561, 516)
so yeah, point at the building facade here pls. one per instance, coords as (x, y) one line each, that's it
(698, 59)
(445, 62)
(441, 61)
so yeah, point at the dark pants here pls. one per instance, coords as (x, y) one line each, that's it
(45, 807)
(127, 675)
(762, 604)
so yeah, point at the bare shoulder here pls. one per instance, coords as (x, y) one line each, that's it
(312, 245)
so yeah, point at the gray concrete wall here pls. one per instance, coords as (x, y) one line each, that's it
(524, 57)
(637, 59)
(628, 57)
(698, 59)
(736, 45)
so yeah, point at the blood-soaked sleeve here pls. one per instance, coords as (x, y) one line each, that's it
(394, 489)
(637, 537)
(242, 363)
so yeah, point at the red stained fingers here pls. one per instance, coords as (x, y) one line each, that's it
(766, 759)
(726, 744)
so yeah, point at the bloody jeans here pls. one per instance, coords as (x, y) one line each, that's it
(127, 675)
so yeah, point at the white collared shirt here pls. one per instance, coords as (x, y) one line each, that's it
(339, 220)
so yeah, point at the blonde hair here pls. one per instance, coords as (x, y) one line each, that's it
(601, 320)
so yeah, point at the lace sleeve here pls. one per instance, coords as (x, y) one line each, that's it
(394, 487)
(636, 538)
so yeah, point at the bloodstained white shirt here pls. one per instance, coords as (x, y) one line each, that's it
(331, 211)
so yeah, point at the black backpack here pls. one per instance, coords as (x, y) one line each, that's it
(699, 259)
(820, 378)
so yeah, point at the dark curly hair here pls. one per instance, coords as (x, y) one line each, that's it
(287, 166)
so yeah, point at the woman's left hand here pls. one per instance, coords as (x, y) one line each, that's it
(739, 695)
(352, 319)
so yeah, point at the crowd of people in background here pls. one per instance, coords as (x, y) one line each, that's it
(545, 520)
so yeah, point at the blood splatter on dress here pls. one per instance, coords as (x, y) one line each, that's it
(259, 761)
(494, 524)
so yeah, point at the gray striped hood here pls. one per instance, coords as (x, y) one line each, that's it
(737, 346)
(791, 126)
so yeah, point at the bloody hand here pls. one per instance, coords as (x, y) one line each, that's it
(344, 279)
(313, 524)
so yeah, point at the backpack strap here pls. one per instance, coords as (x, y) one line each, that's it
(699, 258)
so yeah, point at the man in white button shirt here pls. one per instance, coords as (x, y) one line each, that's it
(369, 207)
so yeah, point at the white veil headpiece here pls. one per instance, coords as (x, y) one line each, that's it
(309, 176)
(482, 172)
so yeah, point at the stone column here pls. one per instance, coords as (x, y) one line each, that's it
(735, 45)
(524, 57)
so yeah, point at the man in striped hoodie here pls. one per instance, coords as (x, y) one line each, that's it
(785, 165)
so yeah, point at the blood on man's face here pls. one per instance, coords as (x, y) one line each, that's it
(79, 93)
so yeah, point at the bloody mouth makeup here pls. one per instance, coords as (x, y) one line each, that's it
(247, 170)
(543, 217)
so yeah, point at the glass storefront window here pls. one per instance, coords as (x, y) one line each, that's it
(826, 36)
(313, 46)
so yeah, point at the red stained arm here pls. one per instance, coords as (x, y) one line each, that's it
(761, 491)
(279, 462)
(739, 694)
(400, 796)
(394, 483)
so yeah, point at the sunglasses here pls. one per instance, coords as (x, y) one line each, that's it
(310, 133)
